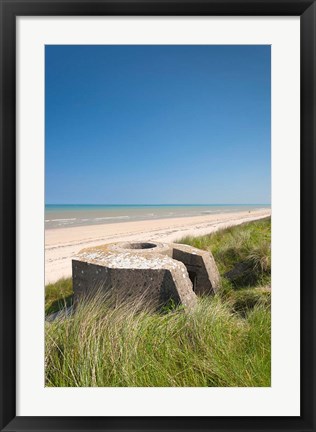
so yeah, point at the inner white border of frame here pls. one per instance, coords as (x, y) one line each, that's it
(283, 398)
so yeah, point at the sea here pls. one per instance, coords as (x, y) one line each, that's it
(72, 215)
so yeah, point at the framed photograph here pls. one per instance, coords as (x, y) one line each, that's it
(157, 215)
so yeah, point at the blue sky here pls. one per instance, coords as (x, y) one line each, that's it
(157, 124)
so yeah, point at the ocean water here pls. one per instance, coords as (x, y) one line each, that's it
(62, 216)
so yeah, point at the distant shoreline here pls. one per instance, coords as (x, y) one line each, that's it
(63, 216)
(63, 243)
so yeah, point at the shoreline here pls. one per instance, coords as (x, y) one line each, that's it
(61, 244)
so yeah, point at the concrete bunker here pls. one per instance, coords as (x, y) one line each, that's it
(151, 271)
(201, 268)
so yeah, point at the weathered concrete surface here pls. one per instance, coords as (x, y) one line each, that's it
(201, 267)
(150, 271)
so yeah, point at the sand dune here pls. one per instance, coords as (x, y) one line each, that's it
(62, 244)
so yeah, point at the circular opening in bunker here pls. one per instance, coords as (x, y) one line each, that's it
(139, 245)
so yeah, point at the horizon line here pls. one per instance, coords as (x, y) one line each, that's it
(156, 204)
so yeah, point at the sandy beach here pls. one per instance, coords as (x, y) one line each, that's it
(63, 243)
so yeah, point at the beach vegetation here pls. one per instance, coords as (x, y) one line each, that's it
(124, 347)
(242, 253)
(58, 295)
(225, 341)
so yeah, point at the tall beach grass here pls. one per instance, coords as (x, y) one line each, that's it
(209, 346)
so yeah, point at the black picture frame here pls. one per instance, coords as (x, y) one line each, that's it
(10, 9)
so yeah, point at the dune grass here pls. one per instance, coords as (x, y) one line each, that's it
(225, 341)
(209, 346)
(246, 246)
(58, 295)
(243, 257)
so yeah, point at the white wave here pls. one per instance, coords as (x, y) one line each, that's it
(111, 217)
(63, 220)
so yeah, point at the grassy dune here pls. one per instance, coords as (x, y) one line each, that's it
(225, 341)
(248, 244)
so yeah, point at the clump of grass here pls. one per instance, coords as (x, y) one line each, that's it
(207, 346)
(243, 301)
(58, 295)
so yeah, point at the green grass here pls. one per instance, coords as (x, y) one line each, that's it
(246, 247)
(209, 346)
(58, 295)
(225, 341)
